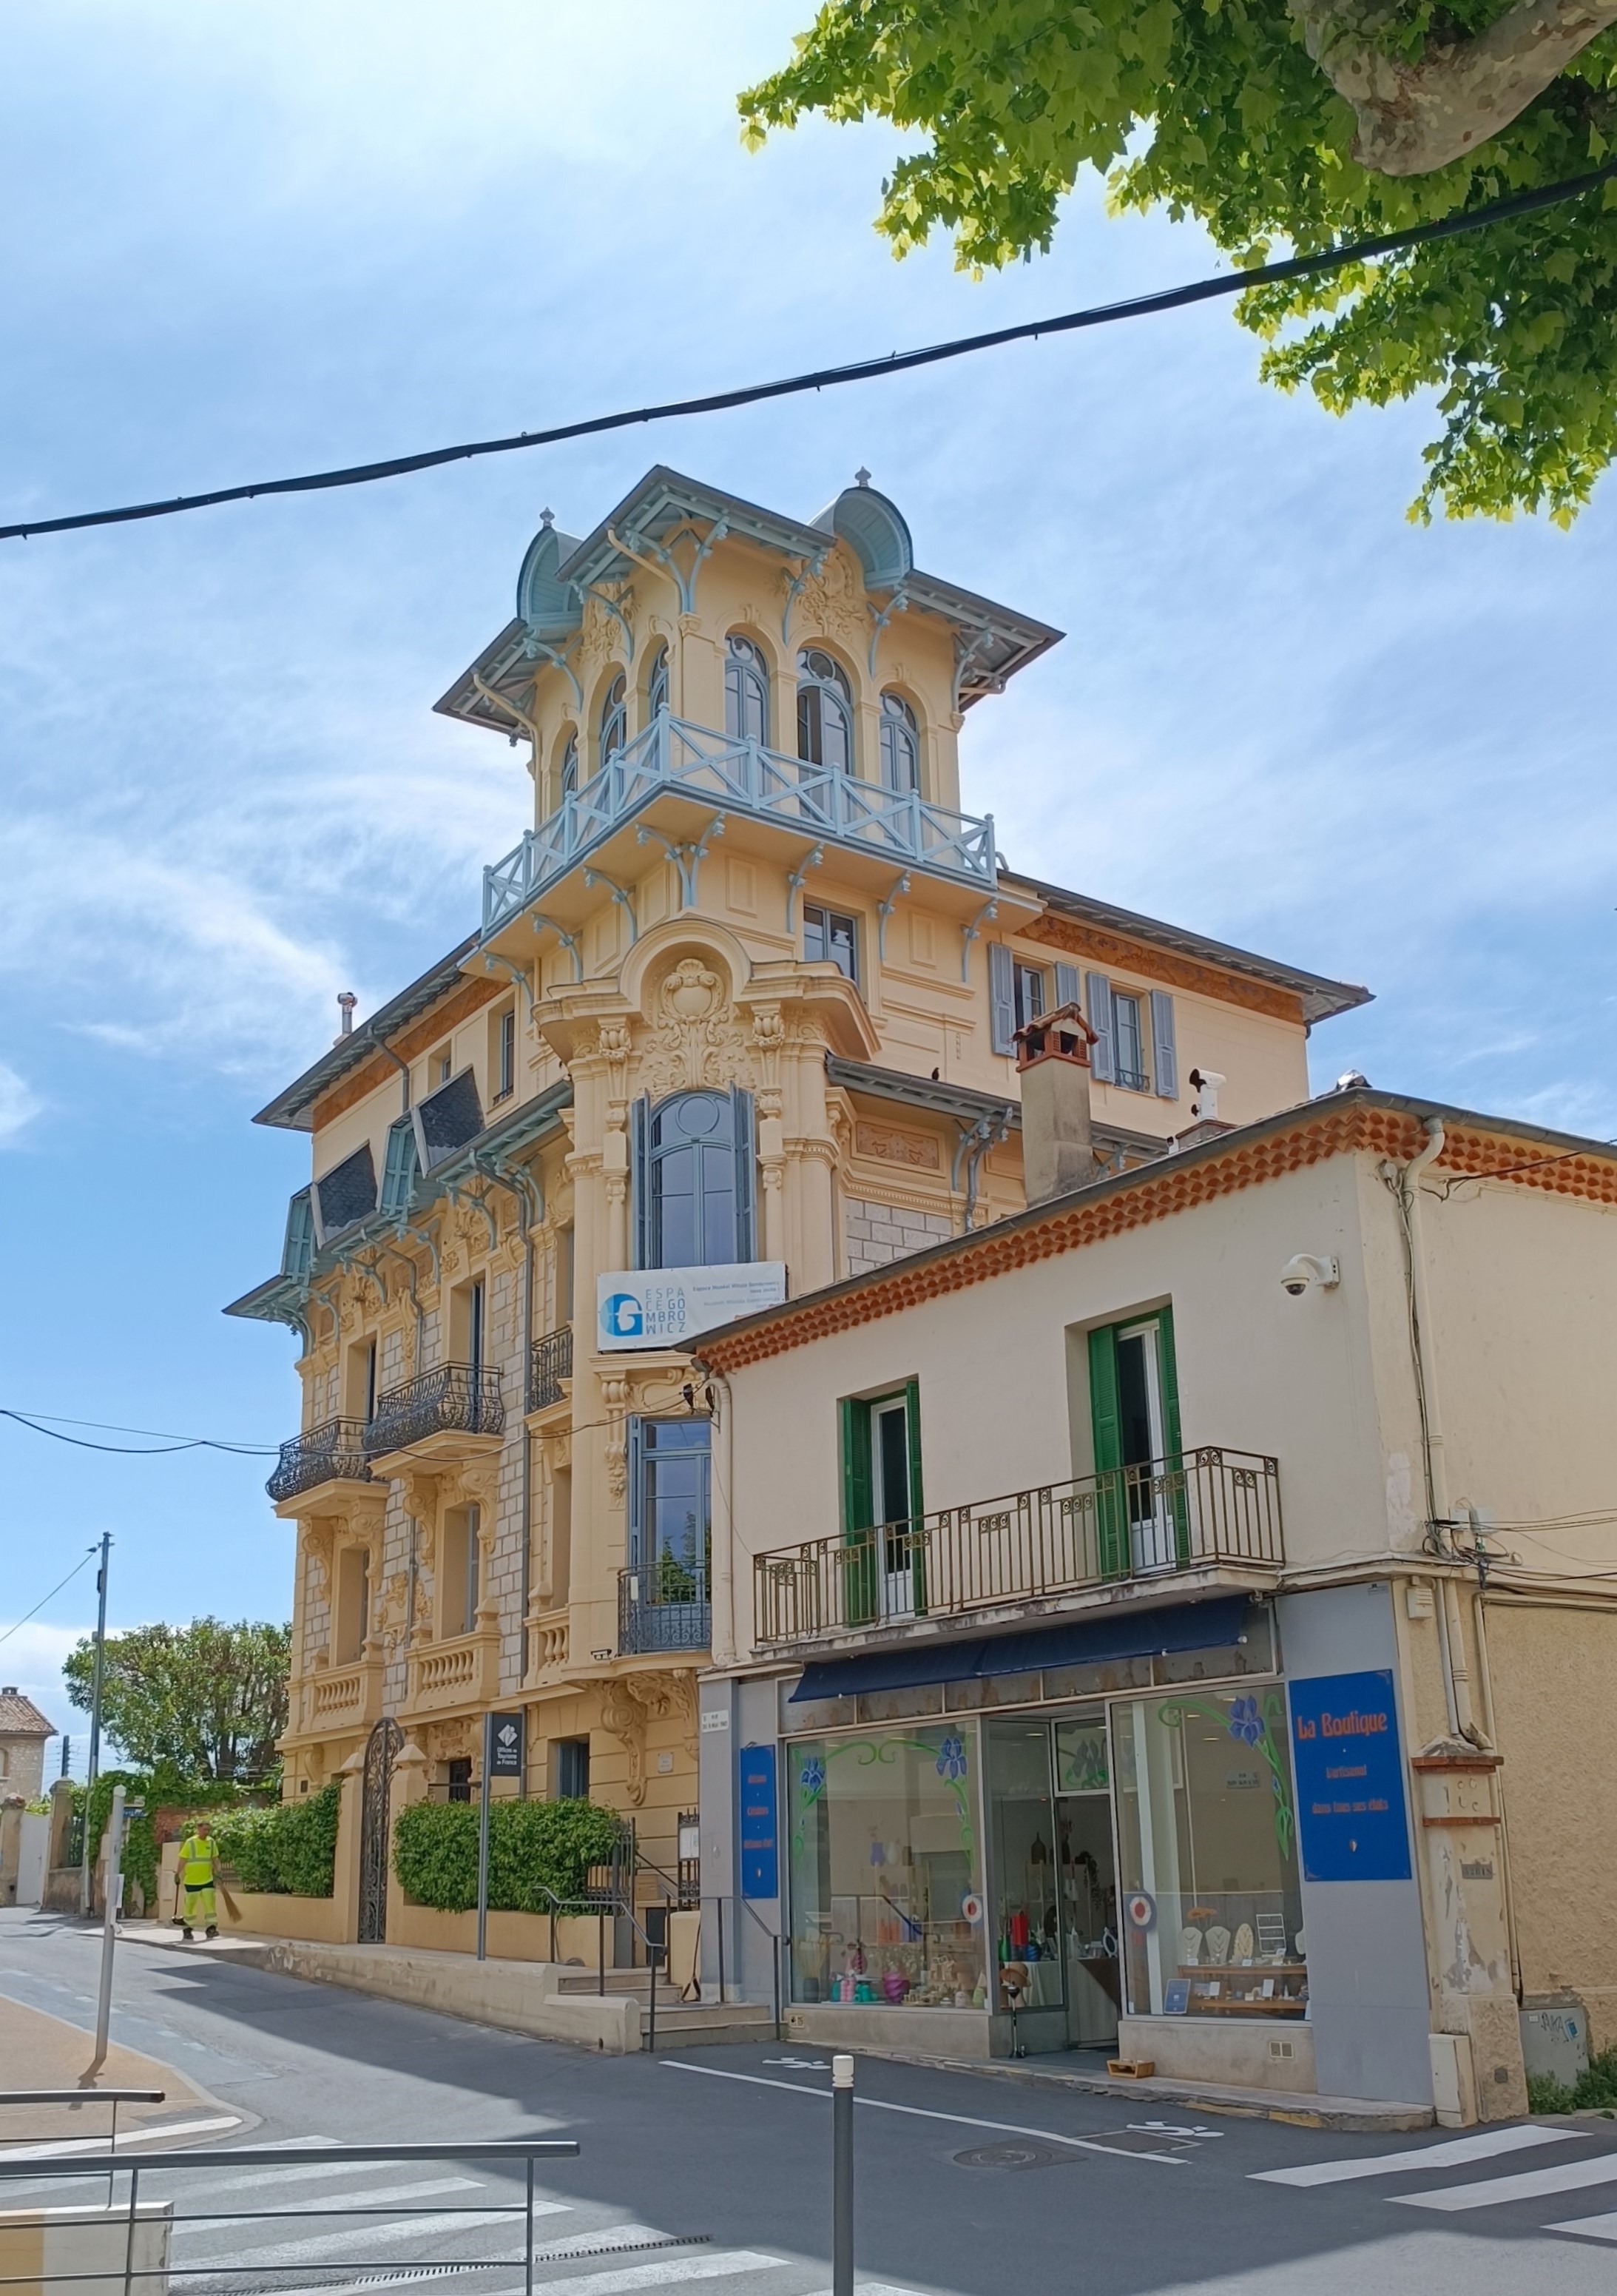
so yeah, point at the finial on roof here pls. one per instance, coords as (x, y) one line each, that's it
(862, 477)
(547, 518)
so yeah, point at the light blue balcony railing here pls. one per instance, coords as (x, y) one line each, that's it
(898, 825)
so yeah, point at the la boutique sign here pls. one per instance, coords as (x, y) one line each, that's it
(663, 1306)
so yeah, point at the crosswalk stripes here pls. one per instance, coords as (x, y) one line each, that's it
(1508, 2187)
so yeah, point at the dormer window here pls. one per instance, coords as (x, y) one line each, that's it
(825, 712)
(901, 749)
(614, 720)
(745, 691)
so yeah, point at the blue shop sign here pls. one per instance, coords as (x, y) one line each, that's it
(1349, 1776)
(760, 1857)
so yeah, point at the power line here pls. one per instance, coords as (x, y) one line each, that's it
(161, 1446)
(44, 1599)
(1137, 307)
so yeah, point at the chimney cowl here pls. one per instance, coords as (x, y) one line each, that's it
(1063, 1034)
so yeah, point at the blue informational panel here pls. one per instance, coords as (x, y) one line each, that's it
(1348, 1771)
(760, 1850)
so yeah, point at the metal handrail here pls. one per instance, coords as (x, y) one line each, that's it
(653, 1621)
(332, 1451)
(524, 2149)
(736, 776)
(1181, 1513)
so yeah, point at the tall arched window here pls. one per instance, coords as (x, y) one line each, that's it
(657, 684)
(614, 718)
(745, 691)
(901, 749)
(692, 1160)
(825, 712)
(570, 764)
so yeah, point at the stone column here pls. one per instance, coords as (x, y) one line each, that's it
(410, 1785)
(350, 1816)
(1458, 1797)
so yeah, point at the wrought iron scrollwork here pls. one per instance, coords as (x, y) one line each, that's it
(381, 1751)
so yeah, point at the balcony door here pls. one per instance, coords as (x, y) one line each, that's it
(1134, 1414)
(884, 1573)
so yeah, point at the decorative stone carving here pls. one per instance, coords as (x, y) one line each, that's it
(630, 1702)
(615, 1396)
(830, 603)
(894, 1144)
(695, 1041)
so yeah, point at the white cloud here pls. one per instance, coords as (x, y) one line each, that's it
(19, 1103)
(31, 1659)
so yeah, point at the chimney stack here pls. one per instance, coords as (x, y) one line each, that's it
(346, 1003)
(1053, 1061)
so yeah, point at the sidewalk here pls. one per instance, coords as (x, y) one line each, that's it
(39, 2051)
(1300, 2108)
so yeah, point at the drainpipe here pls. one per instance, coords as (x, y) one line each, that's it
(1457, 1672)
(382, 1046)
(723, 1544)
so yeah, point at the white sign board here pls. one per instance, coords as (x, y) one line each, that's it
(664, 1306)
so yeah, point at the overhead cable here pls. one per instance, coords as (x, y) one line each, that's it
(160, 1447)
(55, 1590)
(1136, 307)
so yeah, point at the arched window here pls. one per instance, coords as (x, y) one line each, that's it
(569, 765)
(614, 718)
(825, 712)
(901, 749)
(745, 691)
(657, 684)
(693, 1158)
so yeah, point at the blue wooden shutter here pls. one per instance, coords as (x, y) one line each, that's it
(640, 1240)
(1165, 1055)
(1066, 984)
(635, 1464)
(399, 1169)
(1097, 1012)
(1002, 998)
(297, 1251)
(744, 1133)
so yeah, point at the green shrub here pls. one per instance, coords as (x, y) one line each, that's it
(288, 1851)
(171, 1799)
(532, 1846)
(1594, 2091)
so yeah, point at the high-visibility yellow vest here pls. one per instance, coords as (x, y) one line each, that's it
(196, 1862)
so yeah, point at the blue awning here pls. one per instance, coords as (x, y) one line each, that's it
(1213, 1625)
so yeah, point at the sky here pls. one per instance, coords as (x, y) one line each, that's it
(238, 242)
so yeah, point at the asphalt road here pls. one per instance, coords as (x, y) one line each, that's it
(713, 2164)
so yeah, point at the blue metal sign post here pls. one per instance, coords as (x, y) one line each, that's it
(1349, 1773)
(760, 1845)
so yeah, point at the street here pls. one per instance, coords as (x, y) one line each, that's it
(713, 2164)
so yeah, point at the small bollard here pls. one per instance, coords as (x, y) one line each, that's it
(842, 2175)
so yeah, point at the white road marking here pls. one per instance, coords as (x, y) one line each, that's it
(618, 2235)
(284, 2252)
(1416, 2157)
(73, 2146)
(921, 2112)
(1588, 2227)
(1569, 2176)
(711, 2264)
(381, 2198)
(1167, 2128)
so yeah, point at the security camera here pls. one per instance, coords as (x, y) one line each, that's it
(1303, 1268)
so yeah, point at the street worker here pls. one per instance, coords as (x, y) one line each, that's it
(196, 1881)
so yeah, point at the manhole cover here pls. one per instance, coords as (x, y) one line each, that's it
(1019, 2154)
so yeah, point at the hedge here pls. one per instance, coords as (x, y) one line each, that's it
(170, 1798)
(289, 1850)
(532, 1846)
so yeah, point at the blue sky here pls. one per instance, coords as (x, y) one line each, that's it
(235, 243)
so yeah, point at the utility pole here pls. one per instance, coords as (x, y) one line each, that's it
(109, 1935)
(87, 1869)
(488, 1755)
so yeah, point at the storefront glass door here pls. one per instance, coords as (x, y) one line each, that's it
(1089, 1883)
(1026, 1907)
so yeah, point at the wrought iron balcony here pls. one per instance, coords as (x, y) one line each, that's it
(897, 826)
(333, 1453)
(456, 1398)
(663, 1610)
(550, 1361)
(1169, 1516)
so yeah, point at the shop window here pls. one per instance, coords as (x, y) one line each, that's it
(884, 1536)
(1027, 1875)
(885, 1869)
(829, 936)
(1206, 1830)
(1142, 1520)
(692, 1179)
(1088, 1881)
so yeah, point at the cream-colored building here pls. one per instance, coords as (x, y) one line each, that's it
(736, 1023)
(23, 1732)
(1183, 1615)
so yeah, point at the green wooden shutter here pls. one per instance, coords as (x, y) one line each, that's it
(1111, 1507)
(858, 1508)
(1167, 1375)
(917, 1504)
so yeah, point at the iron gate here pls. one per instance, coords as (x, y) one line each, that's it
(381, 1751)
